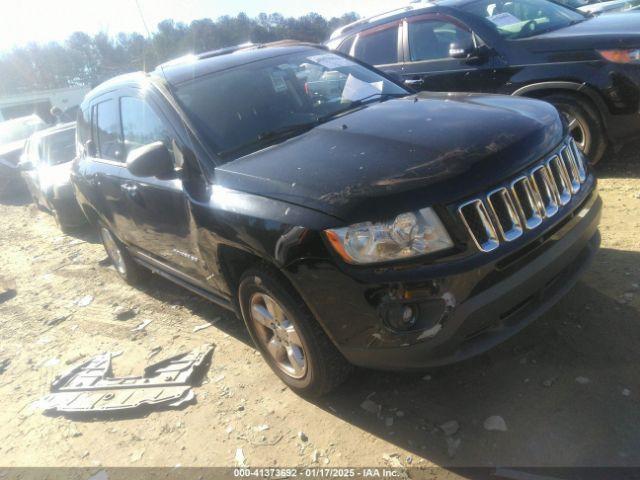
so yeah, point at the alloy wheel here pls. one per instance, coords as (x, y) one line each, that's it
(113, 250)
(579, 130)
(278, 335)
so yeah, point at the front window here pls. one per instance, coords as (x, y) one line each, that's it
(523, 18)
(431, 39)
(243, 109)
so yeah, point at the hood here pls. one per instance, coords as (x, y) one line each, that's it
(617, 30)
(401, 154)
(12, 148)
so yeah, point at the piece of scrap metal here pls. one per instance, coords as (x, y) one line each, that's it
(90, 386)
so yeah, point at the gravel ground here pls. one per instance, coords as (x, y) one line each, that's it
(565, 392)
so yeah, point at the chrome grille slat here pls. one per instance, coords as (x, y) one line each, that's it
(579, 158)
(561, 179)
(571, 167)
(490, 240)
(544, 184)
(503, 214)
(528, 202)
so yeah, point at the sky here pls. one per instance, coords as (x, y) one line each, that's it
(41, 21)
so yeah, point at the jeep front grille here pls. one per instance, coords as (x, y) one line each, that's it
(522, 204)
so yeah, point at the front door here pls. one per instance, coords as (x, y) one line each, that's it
(428, 66)
(163, 227)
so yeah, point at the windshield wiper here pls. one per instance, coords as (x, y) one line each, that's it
(271, 135)
(286, 130)
(360, 102)
(383, 96)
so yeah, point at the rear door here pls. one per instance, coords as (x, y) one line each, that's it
(163, 229)
(379, 46)
(31, 176)
(428, 66)
(106, 172)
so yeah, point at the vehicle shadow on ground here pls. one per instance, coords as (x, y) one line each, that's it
(17, 196)
(623, 164)
(221, 318)
(567, 388)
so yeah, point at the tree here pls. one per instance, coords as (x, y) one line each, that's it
(89, 60)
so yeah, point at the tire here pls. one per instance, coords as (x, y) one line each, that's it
(587, 128)
(123, 262)
(324, 366)
(56, 216)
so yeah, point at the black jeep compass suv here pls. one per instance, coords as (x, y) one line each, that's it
(346, 220)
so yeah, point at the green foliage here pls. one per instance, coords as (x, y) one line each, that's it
(88, 60)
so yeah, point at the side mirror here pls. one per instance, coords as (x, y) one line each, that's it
(153, 160)
(463, 51)
(25, 165)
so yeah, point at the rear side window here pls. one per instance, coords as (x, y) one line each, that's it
(59, 147)
(378, 48)
(108, 131)
(345, 46)
(83, 133)
(141, 125)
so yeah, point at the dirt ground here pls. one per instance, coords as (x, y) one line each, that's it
(567, 388)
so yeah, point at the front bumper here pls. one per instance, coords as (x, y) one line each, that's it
(466, 312)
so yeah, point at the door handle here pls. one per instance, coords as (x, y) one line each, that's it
(414, 82)
(129, 188)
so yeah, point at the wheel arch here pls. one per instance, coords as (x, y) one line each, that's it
(579, 90)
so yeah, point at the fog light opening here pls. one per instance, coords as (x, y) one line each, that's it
(402, 317)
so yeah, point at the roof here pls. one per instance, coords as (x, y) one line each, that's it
(55, 129)
(191, 66)
(414, 8)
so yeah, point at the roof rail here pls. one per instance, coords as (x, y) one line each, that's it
(347, 28)
(191, 57)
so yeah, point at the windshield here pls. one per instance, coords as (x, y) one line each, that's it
(59, 147)
(19, 128)
(246, 108)
(523, 18)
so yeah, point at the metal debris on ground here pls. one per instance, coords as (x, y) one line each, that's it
(201, 327)
(7, 294)
(370, 406)
(582, 380)
(90, 387)
(154, 351)
(495, 422)
(141, 326)
(450, 428)
(240, 458)
(84, 301)
(57, 320)
(4, 363)
(123, 314)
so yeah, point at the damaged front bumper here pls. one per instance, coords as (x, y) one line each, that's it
(460, 313)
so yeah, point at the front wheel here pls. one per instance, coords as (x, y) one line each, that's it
(122, 261)
(288, 336)
(584, 125)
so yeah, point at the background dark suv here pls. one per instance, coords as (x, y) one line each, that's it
(587, 67)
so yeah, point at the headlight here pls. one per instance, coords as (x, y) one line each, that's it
(621, 56)
(408, 235)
